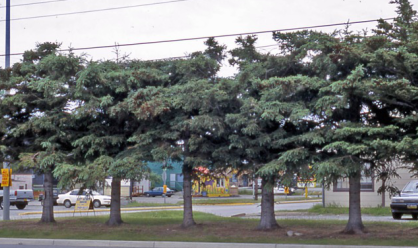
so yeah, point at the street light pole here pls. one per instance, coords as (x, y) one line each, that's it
(6, 190)
(7, 33)
(6, 196)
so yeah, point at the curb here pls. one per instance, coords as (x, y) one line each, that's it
(167, 244)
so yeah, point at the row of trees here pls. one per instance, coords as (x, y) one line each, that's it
(334, 102)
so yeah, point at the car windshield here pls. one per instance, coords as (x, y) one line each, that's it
(411, 187)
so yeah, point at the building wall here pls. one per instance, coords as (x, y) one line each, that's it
(20, 181)
(139, 187)
(174, 174)
(368, 199)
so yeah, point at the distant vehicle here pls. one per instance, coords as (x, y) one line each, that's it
(158, 191)
(55, 193)
(69, 199)
(406, 202)
(280, 190)
(19, 198)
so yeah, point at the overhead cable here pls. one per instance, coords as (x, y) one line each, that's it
(92, 11)
(35, 3)
(213, 36)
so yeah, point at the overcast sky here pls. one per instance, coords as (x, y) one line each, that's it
(173, 19)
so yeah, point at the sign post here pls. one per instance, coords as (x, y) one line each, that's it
(5, 183)
(164, 180)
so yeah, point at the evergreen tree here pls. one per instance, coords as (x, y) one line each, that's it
(104, 148)
(356, 112)
(185, 115)
(274, 114)
(38, 127)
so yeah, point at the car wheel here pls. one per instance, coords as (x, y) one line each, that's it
(147, 195)
(415, 216)
(153, 196)
(97, 204)
(168, 195)
(21, 206)
(1, 203)
(67, 204)
(397, 216)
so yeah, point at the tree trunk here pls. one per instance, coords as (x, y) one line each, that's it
(268, 218)
(255, 182)
(384, 193)
(188, 220)
(48, 201)
(355, 224)
(115, 218)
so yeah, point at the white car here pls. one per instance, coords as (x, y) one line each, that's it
(69, 199)
(281, 190)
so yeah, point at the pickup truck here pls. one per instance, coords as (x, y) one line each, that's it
(19, 198)
(406, 202)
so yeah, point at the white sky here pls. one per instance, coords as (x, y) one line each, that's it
(176, 20)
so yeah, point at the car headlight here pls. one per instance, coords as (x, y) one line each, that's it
(397, 200)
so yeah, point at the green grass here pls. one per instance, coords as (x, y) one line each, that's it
(149, 204)
(165, 226)
(245, 191)
(283, 198)
(332, 209)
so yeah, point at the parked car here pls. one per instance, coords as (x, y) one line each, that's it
(55, 193)
(19, 198)
(406, 202)
(158, 191)
(69, 199)
(280, 190)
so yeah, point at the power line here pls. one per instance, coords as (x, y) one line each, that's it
(35, 3)
(92, 11)
(206, 37)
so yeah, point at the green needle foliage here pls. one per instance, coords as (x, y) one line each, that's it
(37, 124)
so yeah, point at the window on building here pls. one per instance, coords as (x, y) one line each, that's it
(366, 184)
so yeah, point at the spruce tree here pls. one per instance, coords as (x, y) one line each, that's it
(273, 117)
(185, 114)
(104, 148)
(36, 114)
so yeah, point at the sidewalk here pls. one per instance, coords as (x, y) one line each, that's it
(155, 244)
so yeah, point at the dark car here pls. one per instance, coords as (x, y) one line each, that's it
(406, 202)
(55, 193)
(158, 191)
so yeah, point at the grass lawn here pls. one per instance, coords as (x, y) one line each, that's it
(165, 226)
(318, 209)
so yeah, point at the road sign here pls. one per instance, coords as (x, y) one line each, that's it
(6, 177)
(83, 203)
(286, 190)
(164, 176)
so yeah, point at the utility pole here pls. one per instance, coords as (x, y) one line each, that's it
(6, 195)
(6, 190)
(7, 33)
